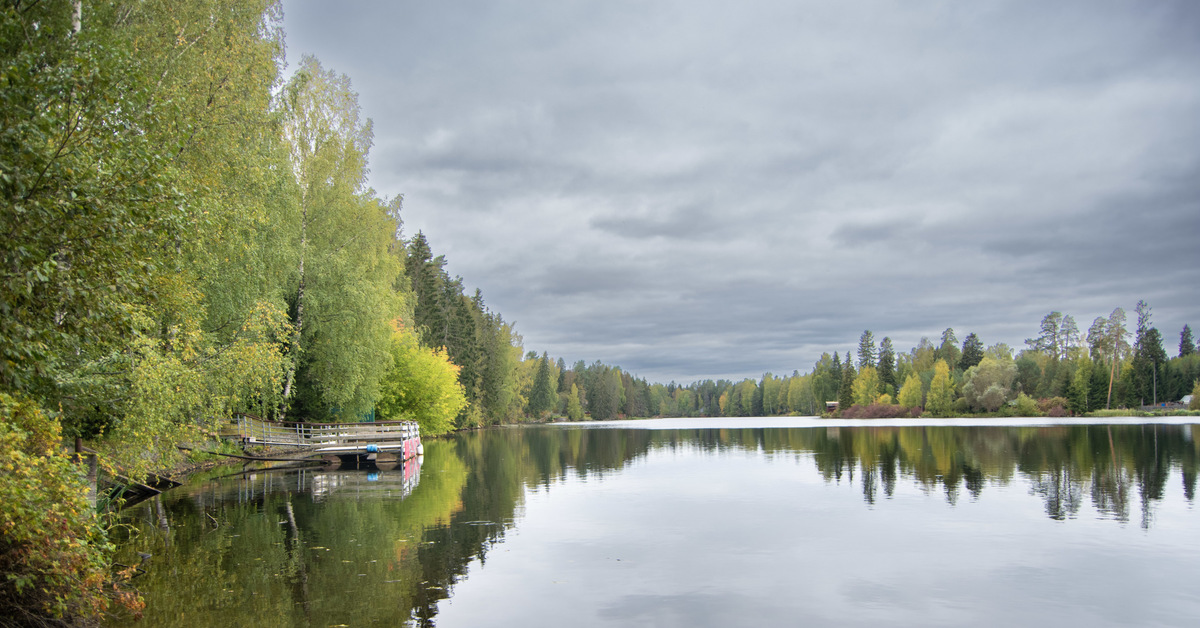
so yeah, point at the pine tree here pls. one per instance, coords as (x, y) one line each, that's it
(948, 350)
(972, 352)
(1079, 394)
(1148, 358)
(541, 396)
(846, 390)
(887, 364)
(1187, 346)
(866, 349)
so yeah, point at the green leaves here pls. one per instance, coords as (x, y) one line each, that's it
(421, 385)
(53, 549)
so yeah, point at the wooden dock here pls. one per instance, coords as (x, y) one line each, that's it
(401, 438)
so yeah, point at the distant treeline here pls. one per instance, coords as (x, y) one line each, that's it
(1060, 371)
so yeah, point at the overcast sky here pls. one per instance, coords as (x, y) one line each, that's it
(701, 188)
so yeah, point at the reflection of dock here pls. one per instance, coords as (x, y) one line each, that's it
(397, 483)
(320, 483)
(380, 442)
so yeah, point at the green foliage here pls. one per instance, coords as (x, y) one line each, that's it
(574, 408)
(1149, 361)
(541, 396)
(866, 349)
(1053, 406)
(865, 388)
(54, 552)
(910, 393)
(887, 363)
(1079, 395)
(1187, 345)
(344, 270)
(142, 179)
(604, 393)
(1059, 334)
(76, 176)
(846, 389)
(986, 386)
(941, 391)
(477, 339)
(1194, 404)
(948, 349)
(972, 352)
(421, 385)
(1026, 406)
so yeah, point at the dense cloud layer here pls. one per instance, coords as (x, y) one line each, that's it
(712, 189)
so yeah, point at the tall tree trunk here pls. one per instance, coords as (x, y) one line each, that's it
(1111, 373)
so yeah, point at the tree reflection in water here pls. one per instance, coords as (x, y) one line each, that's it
(319, 547)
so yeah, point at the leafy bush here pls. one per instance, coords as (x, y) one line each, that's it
(422, 385)
(1054, 406)
(1026, 406)
(54, 553)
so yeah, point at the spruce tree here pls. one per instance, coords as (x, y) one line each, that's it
(846, 390)
(541, 397)
(1187, 346)
(948, 350)
(1148, 357)
(887, 364)
(866, 349)
(972, 352)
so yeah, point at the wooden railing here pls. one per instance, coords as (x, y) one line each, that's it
(383, 435)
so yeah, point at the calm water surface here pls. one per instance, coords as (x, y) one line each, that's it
(698, 523)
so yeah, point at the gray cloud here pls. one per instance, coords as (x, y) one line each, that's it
(711, 189)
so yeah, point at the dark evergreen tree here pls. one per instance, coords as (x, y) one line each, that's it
(972, 352)
(542, 397)
(836, 371)
(1149, 360)
(427, 276)
(887, 365)
(1098, 394)
(604, 395)
(845, 391)
(1187, 346)
(563, 386)
(866, 349)
(948, 350)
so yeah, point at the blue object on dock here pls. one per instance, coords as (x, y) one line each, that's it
(372, 449)
(373, 476)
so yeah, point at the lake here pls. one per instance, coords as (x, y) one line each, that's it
(698, 522)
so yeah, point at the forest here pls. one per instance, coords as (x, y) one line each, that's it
(189, 235)
(1059, 372)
